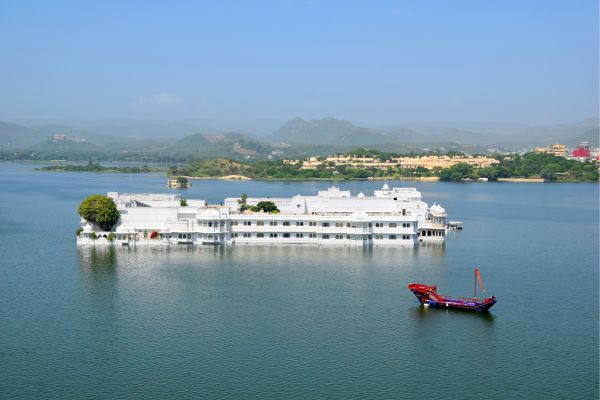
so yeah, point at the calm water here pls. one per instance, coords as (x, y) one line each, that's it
(298, 322)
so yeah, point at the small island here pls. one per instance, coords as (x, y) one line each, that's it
(181, 182)
(96, 167)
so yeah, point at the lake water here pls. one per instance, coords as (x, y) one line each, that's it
(277, 322)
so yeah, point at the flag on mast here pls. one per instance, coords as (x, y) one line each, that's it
(478, 275)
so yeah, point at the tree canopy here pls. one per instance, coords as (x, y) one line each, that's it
(266, 206)
(99, 209)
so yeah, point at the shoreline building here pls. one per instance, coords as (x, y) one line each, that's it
(582, 152)
(396, 216)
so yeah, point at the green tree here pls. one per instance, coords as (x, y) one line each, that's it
(183, 181)
(457, 172)
(548, 175)
(99, 209)
(183, 202)
(266, 206)
(242, 202)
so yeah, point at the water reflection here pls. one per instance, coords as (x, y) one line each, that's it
(100, 301)
(424, 313)
(98, 261)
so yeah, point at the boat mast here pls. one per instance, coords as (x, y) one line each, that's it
(475, 283)
(478, 277)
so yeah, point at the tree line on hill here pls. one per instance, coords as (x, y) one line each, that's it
(546, 166)
(530, 165)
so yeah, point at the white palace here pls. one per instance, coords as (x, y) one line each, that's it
(396, 216)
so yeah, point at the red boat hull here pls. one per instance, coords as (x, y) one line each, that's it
(427, 295)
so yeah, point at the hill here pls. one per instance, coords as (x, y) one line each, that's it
(232, 145)
(64, 149)
(546, 135)
(13, 136)
(327, 131)
(592, 137)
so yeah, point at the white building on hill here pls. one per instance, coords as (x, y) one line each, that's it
(395, 216)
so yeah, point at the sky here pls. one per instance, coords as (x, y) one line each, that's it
(385, 62)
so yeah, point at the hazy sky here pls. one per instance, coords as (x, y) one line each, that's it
(386, 62)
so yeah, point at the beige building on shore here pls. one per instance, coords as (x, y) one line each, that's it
(427, 162)
(556, 149)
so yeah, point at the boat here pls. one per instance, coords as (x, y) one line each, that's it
(455, 225)
(428, 296)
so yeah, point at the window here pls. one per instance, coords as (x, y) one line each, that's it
(299, 223)
(273, 235)
(286, 223)
(339, 236)
(378, 237)
(235, 235)
(347, 236)
(312, 235)
(299, 235)
(247, 235)
(378, 225)
(370, 225)
(325, 237)
(286, 235)
(260, 235)
(325, 224)
(348, 225)
(406, 225)
(392, 225)
(247, 223)
(234, 223)
(339, 225)
(404, 211)
(260, 223)
(312, 223)
(392, 237)
(210, 223)
(273, 223)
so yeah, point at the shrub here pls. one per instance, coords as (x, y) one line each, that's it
(183, 202)
(99, 209)
(266, 206)
(78, 231)
(183, 181)
(154, 235)
(93, 235)
(111, 236)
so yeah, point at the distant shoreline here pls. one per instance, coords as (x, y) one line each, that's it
(246, 178)
(524, 180)
(388, 178)
(236, 177)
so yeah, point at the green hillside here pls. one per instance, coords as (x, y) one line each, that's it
(327, 131)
